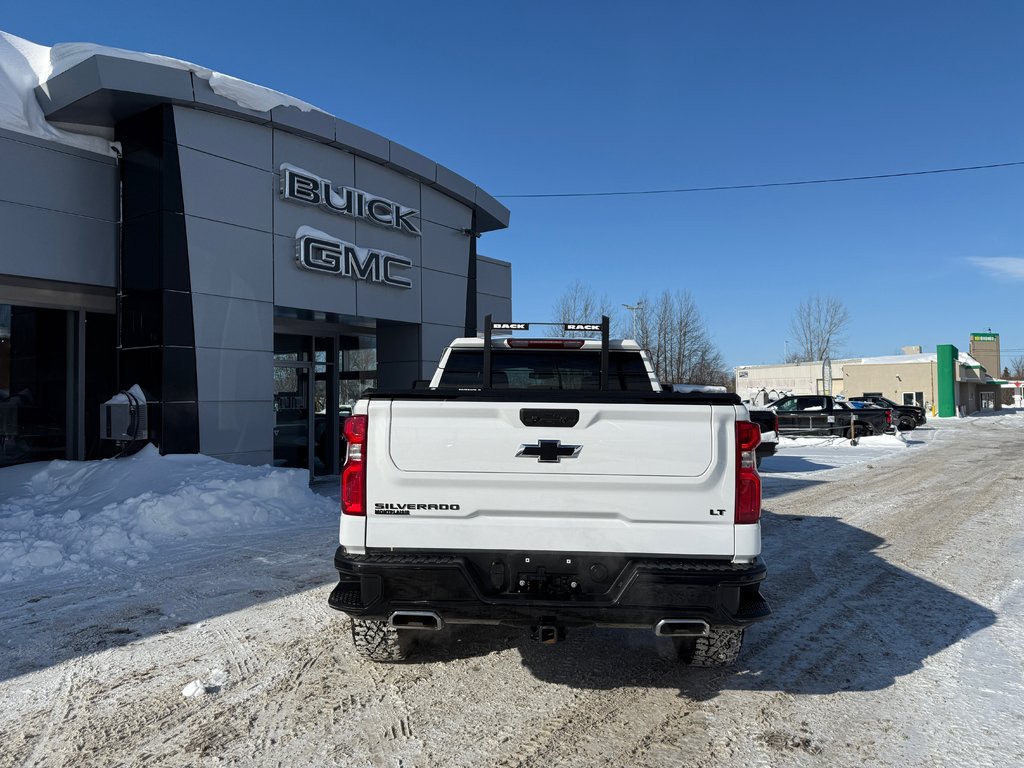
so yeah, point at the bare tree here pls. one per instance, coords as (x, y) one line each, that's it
(579, 304)
(818, 327)
(673, 330)
(670, 327)
(1016, 368)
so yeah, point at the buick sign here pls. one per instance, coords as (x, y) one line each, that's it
(305, 187)
(319, 252)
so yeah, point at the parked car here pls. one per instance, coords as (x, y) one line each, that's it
(905, 416)
(825, 415)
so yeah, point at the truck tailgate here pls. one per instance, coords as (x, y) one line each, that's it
(624, 478)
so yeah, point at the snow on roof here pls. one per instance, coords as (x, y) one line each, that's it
(24, 65)
(925, 357)
(801, 364)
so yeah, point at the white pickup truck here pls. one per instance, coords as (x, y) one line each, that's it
(550, 483)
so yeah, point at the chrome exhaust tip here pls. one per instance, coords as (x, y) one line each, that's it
(429, 620)
(682, 628)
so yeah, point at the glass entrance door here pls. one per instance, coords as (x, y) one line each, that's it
(292, 414)
(317, 379)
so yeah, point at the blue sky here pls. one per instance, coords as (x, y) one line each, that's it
(536, 97)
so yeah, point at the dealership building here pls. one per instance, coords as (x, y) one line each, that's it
(250, 263)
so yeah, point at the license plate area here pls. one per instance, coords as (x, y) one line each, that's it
(546, 576)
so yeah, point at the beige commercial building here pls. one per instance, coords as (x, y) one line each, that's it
(763, 383)
(914, 380)
(948, 378)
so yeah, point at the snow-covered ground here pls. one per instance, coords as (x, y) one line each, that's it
(69, 516)
(72, 516)
(172, 611)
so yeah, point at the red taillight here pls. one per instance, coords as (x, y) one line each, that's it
(748, 482)
(544, 343)
(353, 477)
(888, 417)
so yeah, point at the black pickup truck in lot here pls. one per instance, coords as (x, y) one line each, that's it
(768, 421)
(905, 416)
(824, 415)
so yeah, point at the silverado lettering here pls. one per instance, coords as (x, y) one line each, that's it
(382, 506)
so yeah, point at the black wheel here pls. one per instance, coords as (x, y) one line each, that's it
(720, 648)
(379, 641)
(906, 424)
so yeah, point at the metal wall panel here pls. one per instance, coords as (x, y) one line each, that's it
(302, 289)
(52, 245)
(239, 427)
(227, 260)
(223, 190)
(444, 298)
(237, 140)
(494, 278)
(58, 212)
(58, 181)
(234, 374)
(445, 250)
(434, 340)
(223, 323)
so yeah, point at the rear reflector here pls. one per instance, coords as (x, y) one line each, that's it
(748, 482)
(353, 476)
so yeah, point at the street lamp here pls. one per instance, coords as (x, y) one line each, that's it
(633, 308)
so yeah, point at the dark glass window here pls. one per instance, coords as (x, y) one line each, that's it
(34, 382)
(100, 380)
(546, 369)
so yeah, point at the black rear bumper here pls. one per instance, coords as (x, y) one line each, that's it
(565, 589)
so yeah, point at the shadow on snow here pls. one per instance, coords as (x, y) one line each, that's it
(49, 620)
(846, 621)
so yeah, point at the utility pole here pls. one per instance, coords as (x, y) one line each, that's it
(633, 308)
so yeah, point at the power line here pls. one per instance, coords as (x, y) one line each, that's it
(766, 185)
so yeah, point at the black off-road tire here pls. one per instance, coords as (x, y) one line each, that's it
(720, 648)
(906, 424)
(862, 430)
(379, 641)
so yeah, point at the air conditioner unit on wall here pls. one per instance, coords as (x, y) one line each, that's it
(123, 417)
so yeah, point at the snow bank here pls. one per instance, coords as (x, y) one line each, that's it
(897, 440)
(67, 515)
(798, 455)
(24, 65)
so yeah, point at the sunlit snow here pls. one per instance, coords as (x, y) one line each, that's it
(72, 515)
(25, 65)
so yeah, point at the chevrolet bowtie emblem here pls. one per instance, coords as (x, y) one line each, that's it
(550, 451)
